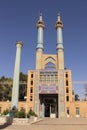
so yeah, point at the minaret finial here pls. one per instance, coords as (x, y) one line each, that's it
(40, 16)
(40, 22)
(59, 22)
(59, 16)
(59, 13)
(40, 13)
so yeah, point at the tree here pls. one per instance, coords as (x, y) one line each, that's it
(77, 97)
(22, 91)
(6, 87)
(23, 77)
(22, 87)
(85, 87)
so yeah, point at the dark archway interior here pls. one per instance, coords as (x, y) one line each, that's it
(50, 102)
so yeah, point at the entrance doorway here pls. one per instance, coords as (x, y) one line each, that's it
(47, 110)
(50, 102)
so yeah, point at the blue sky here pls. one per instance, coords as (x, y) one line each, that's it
(18, 22)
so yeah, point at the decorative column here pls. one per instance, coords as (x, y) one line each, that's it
(15, 90)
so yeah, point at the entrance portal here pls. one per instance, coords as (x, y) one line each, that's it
(50, 102)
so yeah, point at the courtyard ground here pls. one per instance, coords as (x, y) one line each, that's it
(51, 124)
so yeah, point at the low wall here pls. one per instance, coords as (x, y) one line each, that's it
(24, 120)
(10, 120)
(5, 120)
(20, 120)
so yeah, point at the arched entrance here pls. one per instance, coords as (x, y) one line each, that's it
(50, 105)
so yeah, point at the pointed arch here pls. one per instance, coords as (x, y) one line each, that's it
(50, 62)
(50, 65)
(50, 59)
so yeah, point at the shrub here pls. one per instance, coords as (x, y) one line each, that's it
(28, 115)
(20, 114)
(36, 115)
(5, 112)
(32, 113)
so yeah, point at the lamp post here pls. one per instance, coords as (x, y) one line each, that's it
(26, 106)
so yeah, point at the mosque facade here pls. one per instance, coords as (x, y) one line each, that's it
(49, 86)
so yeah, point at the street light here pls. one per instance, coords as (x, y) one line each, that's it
(26, 105)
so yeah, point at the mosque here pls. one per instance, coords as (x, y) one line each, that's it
(49, 86)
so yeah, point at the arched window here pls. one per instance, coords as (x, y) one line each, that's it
(49, 65)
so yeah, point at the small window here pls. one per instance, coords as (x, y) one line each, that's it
(67, 83)
(77, 111)
(66, 75)
(31, 75)
(31, 98)
(31, 90)
(67, 90)
(31, 82)
(67, 98)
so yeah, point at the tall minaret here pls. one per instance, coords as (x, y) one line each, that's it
(40, 47)
(59, 47)
(60, 61)
(15, 90)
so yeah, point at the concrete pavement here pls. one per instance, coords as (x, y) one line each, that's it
(52, 124)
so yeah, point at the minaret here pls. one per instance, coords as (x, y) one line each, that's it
(39, 47)
(59, 46)
(60, 61)
(15, 90)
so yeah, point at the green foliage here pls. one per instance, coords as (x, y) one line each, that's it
(77, 97)
(32, 113)
(23, 77)
(85, 92)
(3, 78)
(6, 88)
(5, 112)
(36, 115)
(28, 115)
(22, 91)
(20, 114)
(22, 87)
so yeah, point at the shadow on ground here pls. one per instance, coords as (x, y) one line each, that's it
(4, 125)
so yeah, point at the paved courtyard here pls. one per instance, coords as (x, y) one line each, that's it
(52, 124)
